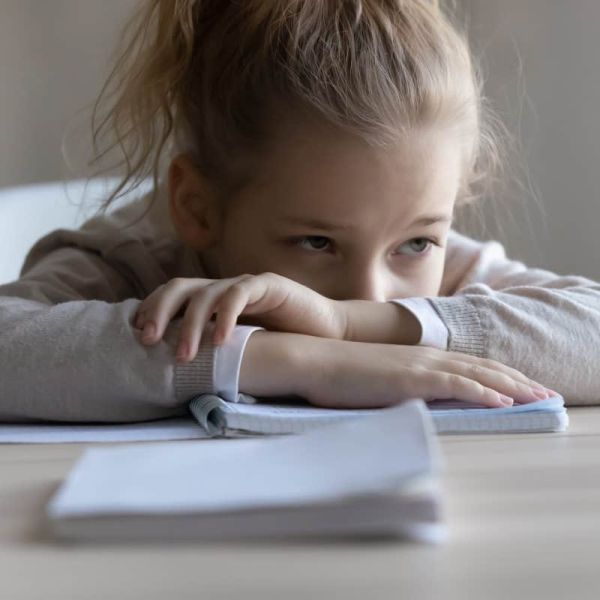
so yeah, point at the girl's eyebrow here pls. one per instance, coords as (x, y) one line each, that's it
(325, 226)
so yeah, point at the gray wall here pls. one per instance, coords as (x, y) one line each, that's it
(541, 60)
(53, 57)
(541, 64)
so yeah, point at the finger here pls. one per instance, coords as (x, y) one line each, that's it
(138, 317)
(230, 306)
(199, 311)
(147, 303)
(497, 380)
(498, 366)
(163, 306)
(514, 373)
(443, 386)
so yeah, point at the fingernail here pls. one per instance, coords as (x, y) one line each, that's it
(182, 351)
(541, 394)
(552, 392)
(506, 400)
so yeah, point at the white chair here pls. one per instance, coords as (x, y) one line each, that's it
(28, 212)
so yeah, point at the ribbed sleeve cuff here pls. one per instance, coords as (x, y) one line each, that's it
(197, 376)
(465, 331)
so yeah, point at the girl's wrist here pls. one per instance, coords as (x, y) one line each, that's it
(278, 363)
(380, 323)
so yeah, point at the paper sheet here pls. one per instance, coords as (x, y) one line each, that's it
(341, 460)
(181, 428)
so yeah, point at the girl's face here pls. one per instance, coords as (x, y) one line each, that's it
(345, 219)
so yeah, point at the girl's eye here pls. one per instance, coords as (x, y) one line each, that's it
(419, 246)
(321, 242)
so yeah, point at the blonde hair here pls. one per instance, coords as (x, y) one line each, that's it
(209, 76)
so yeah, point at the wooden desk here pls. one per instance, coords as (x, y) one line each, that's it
(523, 510)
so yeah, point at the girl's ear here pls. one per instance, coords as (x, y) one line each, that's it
(192, 204)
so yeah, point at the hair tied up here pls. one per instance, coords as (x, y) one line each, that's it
(210, 77)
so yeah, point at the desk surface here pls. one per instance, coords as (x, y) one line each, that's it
(523, 513)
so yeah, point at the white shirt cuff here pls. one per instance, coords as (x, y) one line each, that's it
(433, 330)
(228, 359)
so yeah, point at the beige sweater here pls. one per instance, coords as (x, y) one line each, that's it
(69, 351)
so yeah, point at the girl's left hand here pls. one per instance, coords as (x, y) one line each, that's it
(274, 301)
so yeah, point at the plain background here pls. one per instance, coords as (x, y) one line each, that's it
(539, 59)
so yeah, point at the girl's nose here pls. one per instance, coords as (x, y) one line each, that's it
(364, 285)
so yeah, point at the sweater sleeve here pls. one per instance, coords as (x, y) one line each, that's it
(434, 332)
(543, 324)
(68, 355)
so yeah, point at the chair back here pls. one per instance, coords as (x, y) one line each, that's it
(29, 212)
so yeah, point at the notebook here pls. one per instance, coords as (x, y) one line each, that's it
(217, 417)
(251, 416)
(372, 476)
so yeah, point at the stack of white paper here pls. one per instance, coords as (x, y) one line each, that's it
(374, 476)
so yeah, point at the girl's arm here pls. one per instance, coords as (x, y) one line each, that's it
(64, 356)
(342, 374)
(543, 324)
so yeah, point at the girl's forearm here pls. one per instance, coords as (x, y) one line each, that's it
(380, 323)
(276, 363)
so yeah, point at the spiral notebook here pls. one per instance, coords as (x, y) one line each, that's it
(254, 416)
(213, 416)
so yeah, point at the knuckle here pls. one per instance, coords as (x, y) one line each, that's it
(271, 276)
(176, 282)
(193, 302)
(501, 380)
(237, 287)
(417, 373)
(492, 364)
(522, 376)
(501, 368)
(454, 383)
(151, 299)
(242, 278)
(507, 379)
(475, 371)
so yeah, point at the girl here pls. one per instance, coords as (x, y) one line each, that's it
(317, 153)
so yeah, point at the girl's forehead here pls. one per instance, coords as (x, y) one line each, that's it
(335, 178)
(332, 156)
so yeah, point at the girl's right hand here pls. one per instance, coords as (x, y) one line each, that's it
(344, 374)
